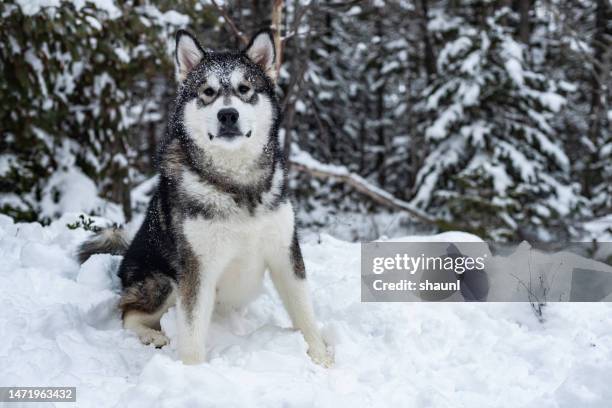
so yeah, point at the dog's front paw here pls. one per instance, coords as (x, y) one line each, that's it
(155, 337)
(321, 356)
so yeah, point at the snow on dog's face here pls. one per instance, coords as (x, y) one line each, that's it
(227, 97)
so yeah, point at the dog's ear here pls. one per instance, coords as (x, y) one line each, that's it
(188, 54)
(261, 51)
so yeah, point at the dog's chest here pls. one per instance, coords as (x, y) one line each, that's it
(214, 201)
(219, 238)
(234, 252)
(211, 199)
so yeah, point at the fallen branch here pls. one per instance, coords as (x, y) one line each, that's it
(303, 162)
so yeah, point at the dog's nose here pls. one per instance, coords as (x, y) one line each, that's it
(228, 116)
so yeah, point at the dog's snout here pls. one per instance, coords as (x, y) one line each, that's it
(228, 116)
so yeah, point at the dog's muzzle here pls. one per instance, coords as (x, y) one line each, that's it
(228, 123)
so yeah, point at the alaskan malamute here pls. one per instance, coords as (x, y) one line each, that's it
(221, 214)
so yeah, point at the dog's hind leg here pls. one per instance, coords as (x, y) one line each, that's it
(143, 304)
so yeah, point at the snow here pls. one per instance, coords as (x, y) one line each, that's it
(513, 53)
(546, 145)
(477, 132)
(37, 66)
(77, 193)
(388, 67)
(175, 18)
(599, 229)
(515, 70)
(452, 49)
(141, 194)
(442, 22)
(304, 159)
(122, 55)
(500, 178)
(551, 100)
(471, 64)
(439, 129)
(170, 17)
(59, 326)
(469, 93)
(447, 154)
(565, 197)
(31, 7)
(94, 22)
(14, 201)
(449, 236)
(6, 162)
(520, 163)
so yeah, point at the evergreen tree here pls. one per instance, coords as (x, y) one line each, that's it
(74, 91)
(496, 165)
(491, 115)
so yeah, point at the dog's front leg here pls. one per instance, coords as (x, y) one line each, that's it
(194, 317)
(195, 303)
(289, 276)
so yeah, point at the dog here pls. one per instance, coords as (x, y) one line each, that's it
(220, 215)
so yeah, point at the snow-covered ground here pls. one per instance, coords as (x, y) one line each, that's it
(59, 326)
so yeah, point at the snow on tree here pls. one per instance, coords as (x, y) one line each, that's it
(77, 81)
(495, 164)
(488, 115)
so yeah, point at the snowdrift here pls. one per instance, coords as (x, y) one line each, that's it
(60, 327)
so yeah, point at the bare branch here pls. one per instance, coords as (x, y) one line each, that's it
(243, 38)
(296, 22)
(277, 16)
(581, 50)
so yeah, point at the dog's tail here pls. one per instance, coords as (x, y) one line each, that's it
(113, 240)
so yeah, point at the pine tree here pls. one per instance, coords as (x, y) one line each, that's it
(74, 91)
(494, 166)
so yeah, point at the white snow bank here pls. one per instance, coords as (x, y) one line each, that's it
(449, 236)
(71, 191)
(31, 7)
(599, 229)
(59, 326)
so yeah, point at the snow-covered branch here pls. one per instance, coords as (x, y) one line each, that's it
(305, 163)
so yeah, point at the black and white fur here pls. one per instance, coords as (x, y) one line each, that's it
(221, 214)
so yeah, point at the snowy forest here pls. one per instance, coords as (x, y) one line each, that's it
(490, 117)
(476, 123)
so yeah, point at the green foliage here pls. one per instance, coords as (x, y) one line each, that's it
(86, 224)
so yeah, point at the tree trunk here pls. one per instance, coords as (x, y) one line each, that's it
(524, 24)
(430, 59)
(380, 117)
(277, 17)
(599, 80)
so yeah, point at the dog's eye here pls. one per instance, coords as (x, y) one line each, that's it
(209, 92)
(243, 89)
